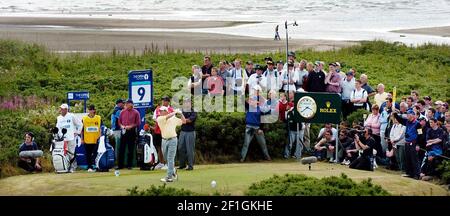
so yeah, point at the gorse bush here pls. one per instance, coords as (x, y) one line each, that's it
(444, 170)
(30, 71)
(301, 185)
(161, 190)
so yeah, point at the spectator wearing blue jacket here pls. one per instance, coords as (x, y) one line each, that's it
(413, 128)
(253, 123)
(114, 125)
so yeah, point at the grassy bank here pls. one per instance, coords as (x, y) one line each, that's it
(232, 179)
(34, 82)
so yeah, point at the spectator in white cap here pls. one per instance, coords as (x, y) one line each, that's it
(73, 126)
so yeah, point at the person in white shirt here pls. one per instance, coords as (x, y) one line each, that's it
(328, 126)
(359, 97)
(288, 78)
(300, 74)
(73, 126)
(381, 95)
(195, 81)
(257, 79)
(397, 140)
(348, 85)
(238, 78)
(274, 81)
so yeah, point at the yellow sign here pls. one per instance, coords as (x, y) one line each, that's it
(394, 94)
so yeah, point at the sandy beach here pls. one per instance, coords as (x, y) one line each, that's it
(87, 36)
(443, 31)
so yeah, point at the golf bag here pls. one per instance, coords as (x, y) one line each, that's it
(147, 155)
(80, 154)
(105, 154)
(60, 154)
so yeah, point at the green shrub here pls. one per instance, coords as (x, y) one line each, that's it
(357, 116)
(301, 185)
(161, 190)
(444, 170)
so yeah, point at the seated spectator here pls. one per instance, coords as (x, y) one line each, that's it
(328, 126)
(365, 146)
(435, 136)
(325, 147)
(345, 143)
(27, 163)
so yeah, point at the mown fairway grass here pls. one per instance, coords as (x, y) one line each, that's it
(231, 179)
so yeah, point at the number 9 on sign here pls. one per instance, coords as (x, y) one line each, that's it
(141, 93)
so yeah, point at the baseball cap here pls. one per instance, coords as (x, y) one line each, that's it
(349, 73)
(270, 62)
(91, 107)
(64, 106)
(439, 102)
(119, 101)
(427, 98)
(421, 118)
(130, 101)
(318, 62)
(411, 112)
(268, 58)
(258, 67)
(291, 53)
(337, 64)
(280, 62)
(165, 98)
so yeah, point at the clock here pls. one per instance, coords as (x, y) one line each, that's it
(307, 107)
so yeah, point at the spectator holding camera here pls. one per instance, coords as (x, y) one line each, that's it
(29, 164)
(365, 145)
(345, 143)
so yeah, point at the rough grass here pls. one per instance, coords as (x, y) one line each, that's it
(232, 179)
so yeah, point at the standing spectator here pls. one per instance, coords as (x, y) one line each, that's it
(277, 35)
(27, 163)
(348, 85)
(359, 97)
(381, 95)
(365, 160)
(195, 81)
(288, 79)
(224, 73)
(373, 122)
(215, 84)
(291, 58)
(157, 139)
(257, 79)
(238, 78)
(411, 147)
(274, 81)
(296, 131)
(280, 70)
(316, 79)
(129, 121)
(434, 143)
(187, 137)
(253, 127)
(421, 136)
(397, 140)
(431, 112)
(115, 125)
(365, 85)
(206, 71)
(384, 122)
(249, 70)
(428, 102)
(338, 70)
(168, 123)
(415, 96)
(410, 102)
(282, 107)
(301, 75)
(73, 125)
(89, 136)
(333, 80)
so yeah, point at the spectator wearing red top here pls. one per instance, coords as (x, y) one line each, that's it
(129, 122)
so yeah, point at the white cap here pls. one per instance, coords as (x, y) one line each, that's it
(64, 106)
(163, 108)
(257, 88)
(439, 102)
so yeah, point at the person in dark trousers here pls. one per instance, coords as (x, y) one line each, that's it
(365, 160)
(26, 163)
(253, 125)
(186, 147)
(115, 124)
(89, 136)
(277, 35)
(411, 147)
(206, 71)
(129, 121)
(434, 142)
(316, 79)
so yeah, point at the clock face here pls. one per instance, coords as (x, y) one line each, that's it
(307, 107)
